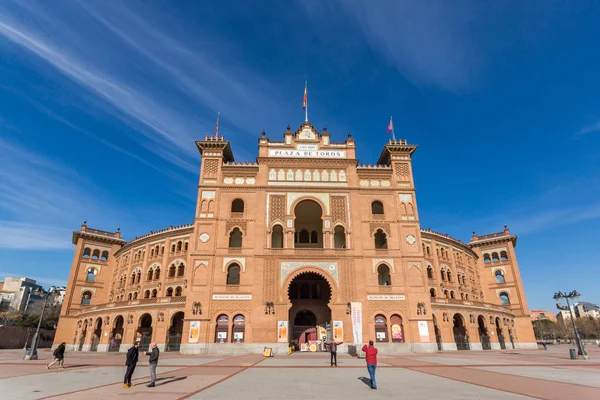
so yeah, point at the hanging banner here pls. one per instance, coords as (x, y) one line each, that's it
(423, 331)
(194, 331)
(282, 331)
(338, 330)
(356, 322)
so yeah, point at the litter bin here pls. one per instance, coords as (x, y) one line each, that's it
(573, 354)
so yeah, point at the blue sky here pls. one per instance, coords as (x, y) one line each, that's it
(100, 103)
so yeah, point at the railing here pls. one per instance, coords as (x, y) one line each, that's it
(137, 302)
(492, 235)
(237, 215)
(177, 253)
(441, 300)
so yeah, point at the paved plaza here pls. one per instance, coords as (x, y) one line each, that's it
(512, 374)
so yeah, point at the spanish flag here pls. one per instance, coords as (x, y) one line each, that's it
(304, 102)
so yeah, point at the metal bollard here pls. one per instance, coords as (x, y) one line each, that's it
(573, 354)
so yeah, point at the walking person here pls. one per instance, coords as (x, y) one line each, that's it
(59, 356)
(131, 362)
(371, 356)
(153, 362)
(545, 345)
(333, 350)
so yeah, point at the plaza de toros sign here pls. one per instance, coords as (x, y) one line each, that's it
(298, 153)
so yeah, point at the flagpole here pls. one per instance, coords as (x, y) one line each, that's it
(217, 126)
(306, 108)
(393, 134)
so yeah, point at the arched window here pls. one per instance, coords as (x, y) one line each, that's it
(91, 275)
(132, 278)
(96, 254)
(429, 272)
(314, 238)
(104, 255)
(86, 298)
(237, 206)
(376, 207)
(150, 274)
(169, 292)
(238, 328)
(339, 237)
(178, 291)
(495, 257)
(87, 252)
(233, 274)
(179, 244)
(157, 273)
(173, 248)
(449, 276)
(445, 293)
(383, 275)
(277, 237)
(443, 274)
(304, 236)
(135, 295)
(486, 258)
(181, 269)
(432, 292)
(503, 256)
(172, 270)
(452, 294)
(466, 296)
(462, 296)
(499, 276)
(235, 238)
(185, 246)
(504, 298)
(154, 293)
(222, 329)
(380, 239)
(138, 276)
(129, 296)
(147, 294)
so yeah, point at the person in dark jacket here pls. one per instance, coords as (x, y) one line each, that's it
(333, 349)
(131, 362)
(59, 356)
(153, 362)
(371, 357)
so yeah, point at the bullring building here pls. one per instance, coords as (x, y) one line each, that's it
(301, 246)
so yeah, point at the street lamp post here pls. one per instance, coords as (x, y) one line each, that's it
(571, 295)
(31, 353)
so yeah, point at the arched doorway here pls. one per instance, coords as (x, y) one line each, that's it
(308, 225)
(500, 334)
(309, 314)
(116, 336)
(460, 332)
(483, 333)
(381, 329)
(397, 329)
(175, 332)
(222, 329)
(144, 332)
(83, 335)
(438, 335)
(97, 334)
(238, 329)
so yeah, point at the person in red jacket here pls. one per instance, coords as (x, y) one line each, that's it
(371, 356)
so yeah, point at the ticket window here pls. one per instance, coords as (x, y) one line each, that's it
(222, 329)
(238, 330)
(381, 329)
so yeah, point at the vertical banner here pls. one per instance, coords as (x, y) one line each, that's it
(423, 331)
(356, 322)
(282, 331)
(194, 331)
(338, 330)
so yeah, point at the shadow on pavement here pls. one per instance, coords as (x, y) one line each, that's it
(172, 380)
(366, 381)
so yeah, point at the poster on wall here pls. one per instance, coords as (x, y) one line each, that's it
(380, 336)
(423, 331)
(338, 330)
(221, 337)
(194, 331)
(238, 337)
(356, 308)
(282, 331)
(396, 332)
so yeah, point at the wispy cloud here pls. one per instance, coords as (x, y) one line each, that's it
(33, 237)
(589, 129)
(430, 45)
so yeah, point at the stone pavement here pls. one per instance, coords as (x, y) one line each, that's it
(509, 374)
